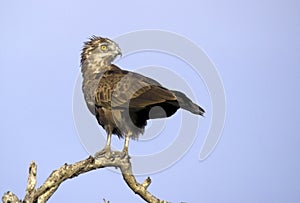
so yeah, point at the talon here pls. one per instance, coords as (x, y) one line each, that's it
(105, 151)
(124, 153)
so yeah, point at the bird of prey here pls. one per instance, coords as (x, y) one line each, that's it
(121, 100)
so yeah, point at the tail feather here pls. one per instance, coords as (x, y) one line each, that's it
(187, 104)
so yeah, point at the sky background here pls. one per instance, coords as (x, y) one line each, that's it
(255, 46)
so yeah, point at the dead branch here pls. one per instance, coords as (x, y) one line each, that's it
(68, 171)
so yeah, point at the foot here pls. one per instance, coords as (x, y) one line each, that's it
(105, 151)
(124, 153)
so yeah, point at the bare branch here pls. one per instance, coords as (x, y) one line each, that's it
(10, 197)
(68, 171)
(146, 183)
(31, 183)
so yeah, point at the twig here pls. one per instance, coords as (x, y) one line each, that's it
(31, 183)
(68, 171)
(10, 197)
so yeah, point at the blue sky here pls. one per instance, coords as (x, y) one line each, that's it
(254, 45)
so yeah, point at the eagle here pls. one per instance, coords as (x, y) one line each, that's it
(122, 101)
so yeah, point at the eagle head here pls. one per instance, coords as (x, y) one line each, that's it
(99, 50)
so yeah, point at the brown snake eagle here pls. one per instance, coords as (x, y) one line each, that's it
(123, 101)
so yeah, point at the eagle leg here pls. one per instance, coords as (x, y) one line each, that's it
(108, 140)
(126, 143)
(106, 150)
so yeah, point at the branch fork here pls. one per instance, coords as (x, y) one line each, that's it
(69, 171)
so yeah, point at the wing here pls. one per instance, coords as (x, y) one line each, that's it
(119, 88)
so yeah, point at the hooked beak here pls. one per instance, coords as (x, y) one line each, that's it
(118, 51)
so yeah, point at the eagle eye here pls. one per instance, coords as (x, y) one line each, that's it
(104, 47)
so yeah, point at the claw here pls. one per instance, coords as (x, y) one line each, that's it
(106, 151)
(124, 153)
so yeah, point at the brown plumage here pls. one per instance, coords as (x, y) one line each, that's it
(123, 101)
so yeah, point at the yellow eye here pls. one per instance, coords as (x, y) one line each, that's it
(103, 47)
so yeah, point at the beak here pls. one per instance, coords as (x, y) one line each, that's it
(118, 51)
